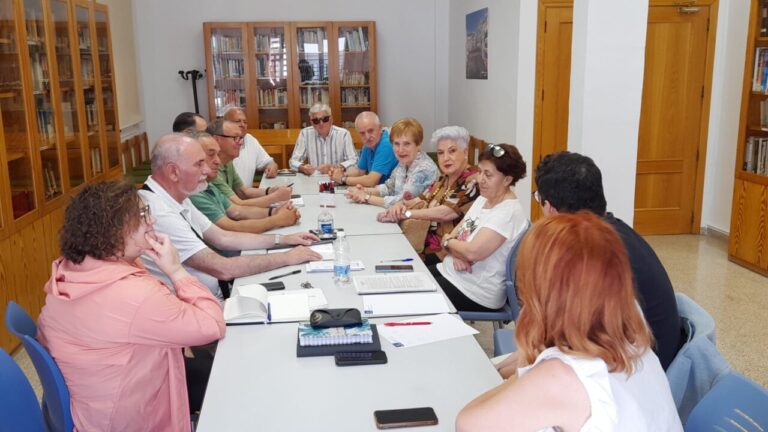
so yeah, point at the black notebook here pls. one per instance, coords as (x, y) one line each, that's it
(329, 350)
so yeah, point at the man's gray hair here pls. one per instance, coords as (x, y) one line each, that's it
(167, 149)
(369, 115)
(198, 134)
(456, 133)
(320, 107)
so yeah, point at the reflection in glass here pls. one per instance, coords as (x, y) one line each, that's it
(88, 82)
(271, 60)
(228, 69)
(107, 89)
(354, 73)
(68, 93)
(14, 112)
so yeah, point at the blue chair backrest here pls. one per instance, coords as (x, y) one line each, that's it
(19, 410)
(56, 402)
(735, 404)
(509, 280)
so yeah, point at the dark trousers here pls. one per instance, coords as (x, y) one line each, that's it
(198, 371)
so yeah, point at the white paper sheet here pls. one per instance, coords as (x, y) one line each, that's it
(404, 304)
(442, 327)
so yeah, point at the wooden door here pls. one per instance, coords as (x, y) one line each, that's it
(553, 85)
(672, 133)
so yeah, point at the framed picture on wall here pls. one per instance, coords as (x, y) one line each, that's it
(477, 44)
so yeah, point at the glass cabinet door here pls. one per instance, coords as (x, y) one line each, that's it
(15, 131)
(271, 65)
(312, 67)
(88, 83)
(111, 129)
(65, 64)
(45, 139)
(354, 72)
(227, 69)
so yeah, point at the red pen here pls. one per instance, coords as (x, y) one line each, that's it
(398, 324)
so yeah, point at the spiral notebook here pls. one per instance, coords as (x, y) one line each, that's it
(310, 336)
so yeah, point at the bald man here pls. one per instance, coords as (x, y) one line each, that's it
(252, 156)
(377, 159)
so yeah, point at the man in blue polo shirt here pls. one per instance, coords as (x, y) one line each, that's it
(377, 159)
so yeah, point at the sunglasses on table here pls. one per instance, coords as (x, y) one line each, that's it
(317, 120)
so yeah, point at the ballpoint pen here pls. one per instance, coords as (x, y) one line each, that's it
(412, 323)
(397, 260)
(297, 271)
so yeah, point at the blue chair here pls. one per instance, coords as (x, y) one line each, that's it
(19, 410)
(56, 407)
(735, 404)
(509, 311)
(698, 366)
(503, 341)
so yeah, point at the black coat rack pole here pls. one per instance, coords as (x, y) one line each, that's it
(193, 75)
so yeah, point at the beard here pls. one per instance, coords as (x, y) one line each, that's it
(202, 184)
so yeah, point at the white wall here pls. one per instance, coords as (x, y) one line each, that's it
(499, 109)
(410, 34)
(607, 61)
(728, 72)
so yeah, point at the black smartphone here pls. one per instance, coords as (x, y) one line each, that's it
(397, 418)
(360, 358)
(393, 268)
(295, 196)
(273, 286)
(324, 236)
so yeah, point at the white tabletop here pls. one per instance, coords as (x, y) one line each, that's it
(370, 249)
(258, 383)
(356, 219)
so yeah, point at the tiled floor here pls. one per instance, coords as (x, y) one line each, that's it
(736, 297)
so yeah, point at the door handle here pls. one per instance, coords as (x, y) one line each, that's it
(688, 10)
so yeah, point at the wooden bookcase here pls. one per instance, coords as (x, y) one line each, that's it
(277, 70)
(748, 242)
(58, 131)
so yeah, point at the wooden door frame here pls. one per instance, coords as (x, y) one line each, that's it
(706, 100)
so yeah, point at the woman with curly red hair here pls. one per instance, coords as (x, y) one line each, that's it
(584, 350)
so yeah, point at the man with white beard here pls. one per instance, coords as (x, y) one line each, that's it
(179, 169)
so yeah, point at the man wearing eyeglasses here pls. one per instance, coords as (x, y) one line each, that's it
(252, 157)
(227, 134)
(322, 145)
(570, 182)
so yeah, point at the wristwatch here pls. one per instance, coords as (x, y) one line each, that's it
(366, 198)
(277, 239)
(445, 242)
(408, 214)
(343, 180)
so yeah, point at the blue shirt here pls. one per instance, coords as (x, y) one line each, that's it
(381, 160)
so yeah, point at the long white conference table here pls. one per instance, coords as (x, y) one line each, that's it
(258, 383)
(301, 184)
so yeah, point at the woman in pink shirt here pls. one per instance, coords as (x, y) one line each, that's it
(115, 331)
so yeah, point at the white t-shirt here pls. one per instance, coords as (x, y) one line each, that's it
(639, 402)
(485, 285)
(178, 220)
(252, 157)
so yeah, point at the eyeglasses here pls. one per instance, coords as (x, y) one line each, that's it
(235, 138)
(317, 120)
(145, 213)
(498, 151)
(537, 196)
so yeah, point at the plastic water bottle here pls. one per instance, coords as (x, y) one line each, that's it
(341, 262)
(325, 222)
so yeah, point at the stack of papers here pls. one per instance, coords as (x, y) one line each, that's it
(394, 283)
(440, 327)
(404, 304)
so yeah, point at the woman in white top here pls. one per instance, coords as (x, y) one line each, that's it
(584, 356)
(472, 274)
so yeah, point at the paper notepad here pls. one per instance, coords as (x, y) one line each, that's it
(441, 327)
(327, 266)
(394, 283)
(250, 304)
(324, 249)
(404, 304)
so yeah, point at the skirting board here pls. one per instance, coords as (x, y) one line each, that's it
(714, 232)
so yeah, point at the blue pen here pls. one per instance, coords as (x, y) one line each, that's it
(397, 260)
(269, 313)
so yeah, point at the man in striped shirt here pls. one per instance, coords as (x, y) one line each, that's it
(322, 146)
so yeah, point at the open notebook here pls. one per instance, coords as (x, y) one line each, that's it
(253, 304)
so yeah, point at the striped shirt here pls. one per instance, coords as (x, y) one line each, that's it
(335, 149)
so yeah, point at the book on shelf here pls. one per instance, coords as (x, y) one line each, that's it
(360, 334)
(763, 20)
(760, 73)
(253, 304)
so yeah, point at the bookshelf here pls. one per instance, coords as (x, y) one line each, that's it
(282, 68)
(57, 109)
(748, 238)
